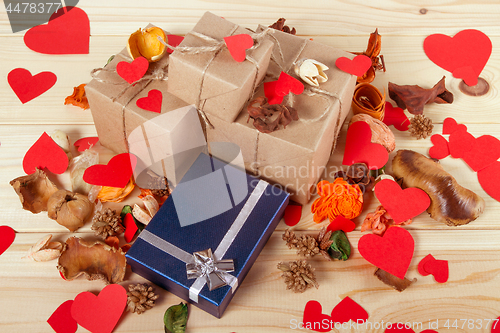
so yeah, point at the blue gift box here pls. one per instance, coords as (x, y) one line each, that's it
(241, 220)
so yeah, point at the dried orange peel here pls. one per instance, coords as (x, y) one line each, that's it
(337, 198)
(145, 43)
(115, 194)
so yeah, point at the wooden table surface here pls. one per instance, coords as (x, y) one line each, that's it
(31, 291)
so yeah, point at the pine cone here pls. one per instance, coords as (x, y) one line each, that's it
(140, 297)
(420, 126)
(107, 223)
(299, 275)
(309, 246)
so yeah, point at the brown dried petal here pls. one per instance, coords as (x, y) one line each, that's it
(34, 191)
(381, 133)
(393, 281)
(94, 260)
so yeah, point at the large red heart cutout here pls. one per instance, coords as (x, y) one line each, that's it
(464, 54)
(484, 152)
(489, 178)
(401, 204)
(460, 142)
(133, 71)
(61, 320)
(152, 102)
(288, 84)
(347, 310)
(27, 87)
(86, 143)
(450, 125)
(45, 153)
(392, 252)
(357, 66)
(116, 173)
(360, 149)
(7, 236)
(313, 318)
(238, 45)
(396, 116)
(440, 149)
(67, 32)
(341, 223)
(100, 314)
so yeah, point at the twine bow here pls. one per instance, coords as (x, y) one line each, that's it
(206, 265)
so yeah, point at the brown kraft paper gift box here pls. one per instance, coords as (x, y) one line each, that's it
(113, 121)
(295, 157)
(213, 81)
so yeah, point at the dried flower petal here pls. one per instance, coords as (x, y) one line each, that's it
(311, 71)
(280, 25)
(78, 98)
(115, 194)
(45, 250)
(381, 133)
(261, 112)
(34, 191)
(373, 52)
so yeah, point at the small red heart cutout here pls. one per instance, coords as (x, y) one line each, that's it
(100, 314)
(450, 125)
(392, 252)
(439, 269)
(484, 152)
(460, 142)
(133, 71)
(86, 143)
(7, 236)
(287, 84)
(341, 223)
(489, 178)
(130, 227)
(421, 264)
(396, 116)
(292, 215)
(238, 45)
(45, 153)
(152, 102)
(440, 149)
(495, 326)
(270, 92)
(27, 87)
(360, 149)
(399, 327)
(174, 40)
(116, 173)
(67, 32)
(401, 204)
(357, 66)
(313, 318)
(468, 48)
(347, 310)
(61, 320)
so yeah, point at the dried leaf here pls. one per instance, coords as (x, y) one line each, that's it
(414, 97)
(175, 318)
(393, 281)
(340, 248)
(78, 98)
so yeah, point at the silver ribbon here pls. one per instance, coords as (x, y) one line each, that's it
(221, 250)
(214, 271)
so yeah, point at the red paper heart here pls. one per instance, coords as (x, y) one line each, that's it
(133, 71)
(292, 215)
(359, 149)
(357, 66)
(116, 173)
(464, 55)
(86, 143)
(440, 149)
(347, 310)
(7, 236)
(100, 314)
(152, 102)
(130, 227)
(238, 45)
(401, 204)
(27, 87)
(398, 327)
(174, 40)
(45, 153)
(460, 142)
(391, 252)
(270, 92)
(484, 152)
(287, 84)
(438, 268)
(61, 320)
(396, 116)
(421, 264)
(313, 318)
(341, 223)
(495, 326)
(67, 32)
(489, 178)
(450, 125)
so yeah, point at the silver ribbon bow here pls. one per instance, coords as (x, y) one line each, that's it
(213, 270)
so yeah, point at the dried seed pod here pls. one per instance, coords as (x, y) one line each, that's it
(145, 43)
(62, 140)
(45, 250)
(94, 260)
(69, 209)
(34, 191)
(141, 215)
(311, 71)
(381, 133)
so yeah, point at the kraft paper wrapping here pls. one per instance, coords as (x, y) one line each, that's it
(213, 81)
(295, 157)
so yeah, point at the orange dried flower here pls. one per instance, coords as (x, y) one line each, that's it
(337, 198)
(379, 221)
(78, 98)
(115, 194)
